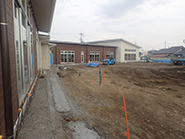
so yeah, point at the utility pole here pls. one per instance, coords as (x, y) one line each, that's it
(81, 35)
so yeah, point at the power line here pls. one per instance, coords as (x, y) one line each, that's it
(65, 33)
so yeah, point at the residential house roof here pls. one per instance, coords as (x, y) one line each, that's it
(151, 52)
(114, 40)
(170, 50)
(159, 56)
(181, 52)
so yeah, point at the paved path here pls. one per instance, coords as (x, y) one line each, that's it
(47, 111)
(42, 121)
(61, 103)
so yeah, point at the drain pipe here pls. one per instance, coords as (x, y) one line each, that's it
(4, 48)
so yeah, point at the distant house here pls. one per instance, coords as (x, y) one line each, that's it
(180, 53)
(166, 53)
(125, 51)
(151, 52)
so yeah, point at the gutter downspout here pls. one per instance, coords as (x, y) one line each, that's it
(4, 48)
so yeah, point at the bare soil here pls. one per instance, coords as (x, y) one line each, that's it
(154, 94)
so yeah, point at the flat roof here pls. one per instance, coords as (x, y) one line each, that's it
(84, 44)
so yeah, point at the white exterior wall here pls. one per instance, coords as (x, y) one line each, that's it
(120, 50)
(45, 57)
(129, 46)
(113, 43)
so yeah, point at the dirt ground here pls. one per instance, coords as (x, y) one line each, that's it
(154, 94)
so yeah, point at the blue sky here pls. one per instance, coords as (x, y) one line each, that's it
(148, 23)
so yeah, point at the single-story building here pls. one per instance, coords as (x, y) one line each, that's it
(125, 51)
(70, 52)
(21, 22)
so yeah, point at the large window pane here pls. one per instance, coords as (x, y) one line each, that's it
(63, 56)
(91, 56)
(32, 53)
(25, 52)
(18, 56)
(112, 54)
(82, 56)
(97, 56)
(71, 56)
(126, 57)
(107, 54)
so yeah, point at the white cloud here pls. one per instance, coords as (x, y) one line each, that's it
(148, 22)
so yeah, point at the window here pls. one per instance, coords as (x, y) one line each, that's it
(67, 56)
(109, 54)
(112, 54)
(125, 57)
(63, 56)
(24, 49)
(18, 57)
(82, 56)
(95, 56)
(134, 56)
(25, 52)
(91, 56)
(32, 53)
(130, 57)
(71, 55)
(130, 50)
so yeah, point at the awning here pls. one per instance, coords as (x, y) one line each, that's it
(43, 12)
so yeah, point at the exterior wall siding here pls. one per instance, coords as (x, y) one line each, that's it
(10, 20)
(120, 50)
(91, 48)
(78, 48)
(13, 74)
(129, 46)
(113, 43)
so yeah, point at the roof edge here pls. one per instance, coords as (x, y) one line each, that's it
(76, 43)
(119, 39)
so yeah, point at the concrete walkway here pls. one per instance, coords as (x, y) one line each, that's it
(46, 113)
(60, 101)
(41, 120)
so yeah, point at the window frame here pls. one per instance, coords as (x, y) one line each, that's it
(93, 53)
